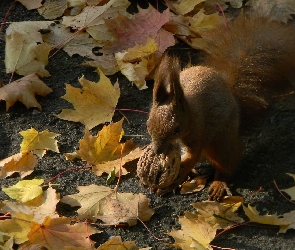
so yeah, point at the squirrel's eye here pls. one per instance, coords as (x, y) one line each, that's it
(177, 130)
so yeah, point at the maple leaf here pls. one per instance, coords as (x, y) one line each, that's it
(92, 19)
(25, 190)
(285, 221)
(30, 5)
(183, 7)
(89, 199)
(104, 150)
(136, 63)
(24, 90)
(195, 234)
(6, 241)
(52, 9)
(111, 207)
(25, 52)
(115, 243)
(78, 43)
(40, 207)
(17, 227)
(38, 142)
(129, 32)
(289, 191)
(94, 104)
(58, 233)
(23, 163)
(195, 185)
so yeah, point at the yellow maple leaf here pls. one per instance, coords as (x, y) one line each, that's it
(137, 62)
(111, 207)
(24, 90)
(38, 142)
(94, 104)
(115, 243)
(25, 190)
(183, 7)
(18, 226)
(40, 207)
(104, 150)
(23, 163)
(57, 233)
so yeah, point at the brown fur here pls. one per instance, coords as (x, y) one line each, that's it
(200, 106)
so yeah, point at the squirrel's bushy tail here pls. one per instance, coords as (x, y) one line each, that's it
(256, 55)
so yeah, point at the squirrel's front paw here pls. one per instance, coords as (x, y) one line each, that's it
(217, 190)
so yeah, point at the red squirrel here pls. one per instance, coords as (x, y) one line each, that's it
(248, 61)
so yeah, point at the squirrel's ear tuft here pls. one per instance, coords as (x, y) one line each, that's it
(167, 83)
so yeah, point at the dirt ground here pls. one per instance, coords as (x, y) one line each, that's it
(269, 154)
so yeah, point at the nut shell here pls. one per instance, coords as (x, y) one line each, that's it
(159, 171)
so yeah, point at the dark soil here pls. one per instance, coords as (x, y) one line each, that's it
(269, 153)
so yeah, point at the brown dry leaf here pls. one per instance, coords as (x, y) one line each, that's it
(125, 208)
(58, 233)
(18, 226)
(105, 147)
(194, 185)
(89, 199)
(129, 32)
(94, 104)
(38, 142)
(23, 163)
(115, 243)
(53, 9)
(92, 19)
(285, 221)
(24, 90)
(194, 234)
(39, 207)
(25, 190)
(30, 5)
(111, 207)
(25, 52)
(78, 43)
(106, 63)
(289, 191)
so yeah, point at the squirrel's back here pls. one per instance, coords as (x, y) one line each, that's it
(256, 56)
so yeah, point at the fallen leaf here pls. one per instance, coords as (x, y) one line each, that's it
(109, 206)
(115, 243)
(30, 5)
(38, 142)
(183, 7)
(136, 63)
(285, 221)
(53, 9)
(17, 227)
(92, 19)
(194, 234)
(40, 207)
(129, 32)
(78, 43)
(194, 185)
(24, 90)
(25, 190)
(6, 241)
(25, 52)
(104, 150)
(57, 233)
(290, 191)
(94, 104)
(22, 163)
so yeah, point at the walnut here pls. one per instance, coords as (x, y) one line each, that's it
(159, 171)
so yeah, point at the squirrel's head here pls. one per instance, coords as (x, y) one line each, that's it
(168, 117)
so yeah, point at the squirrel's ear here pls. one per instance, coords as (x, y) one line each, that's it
(167, 87)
